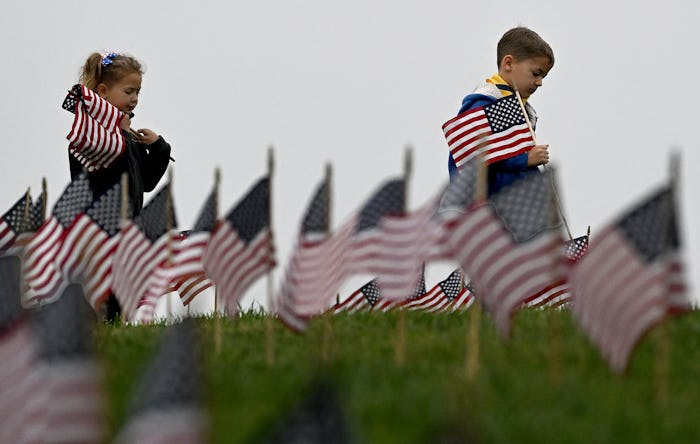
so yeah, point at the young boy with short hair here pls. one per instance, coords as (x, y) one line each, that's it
(524, 60)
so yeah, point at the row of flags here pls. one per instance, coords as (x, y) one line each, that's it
(510, 246)
(512, 250)
(509, 250)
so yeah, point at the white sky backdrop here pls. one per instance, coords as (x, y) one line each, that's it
(353, 83)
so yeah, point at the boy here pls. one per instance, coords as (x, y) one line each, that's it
(524, 59)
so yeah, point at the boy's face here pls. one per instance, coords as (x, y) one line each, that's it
(526, 75)
(124, 94)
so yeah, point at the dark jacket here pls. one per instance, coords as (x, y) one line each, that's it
(145, 165)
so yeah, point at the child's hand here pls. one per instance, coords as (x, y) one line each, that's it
(146, 136)
(125, 124)
(538, 155)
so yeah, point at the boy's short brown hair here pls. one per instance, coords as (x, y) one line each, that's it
(523, 43)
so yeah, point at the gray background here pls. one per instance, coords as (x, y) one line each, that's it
(353, 84)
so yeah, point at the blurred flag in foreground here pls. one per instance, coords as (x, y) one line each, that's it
(144, 247)
(631, 278)
(18, 360)
(321, 262)
(39, 255)
(167, 405)
(240, 249)
(70, 404)
(186, 268)
(510, 246)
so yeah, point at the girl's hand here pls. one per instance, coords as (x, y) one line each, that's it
(538, 155)
(125, 123)
(146, 136)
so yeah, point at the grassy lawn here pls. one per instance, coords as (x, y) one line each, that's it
(545, 384)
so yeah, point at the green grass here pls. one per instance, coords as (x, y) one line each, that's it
(545, 384)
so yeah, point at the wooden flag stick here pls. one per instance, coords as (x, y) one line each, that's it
(45, 196)
(217, 181)
(269, 336)
(554, 325)
(534, 139)
(123, 208)
(169, 223)
(217, 318)
(27, 204)
(661, 336)
(400, 344)
(329, 193)
(471, 367)
(327, 334)
(474, 332)
(123, 217)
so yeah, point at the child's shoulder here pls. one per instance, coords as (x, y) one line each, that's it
(487, 89)
(481, 95)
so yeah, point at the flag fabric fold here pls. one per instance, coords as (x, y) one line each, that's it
(560, 295)
(499, 128)
(407, 241)
(95, 138)
(18, 359)
(186, 268)
(88, 245)
(449, 295)
(14, 222)
(511, 246)
(631, 278)
(145, 244)
(167, 405)
(240, 249)
(370, 297)
(355, 248)
(41, 273)
(69, 403)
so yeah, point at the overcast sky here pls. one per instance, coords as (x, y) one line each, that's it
(353, 84)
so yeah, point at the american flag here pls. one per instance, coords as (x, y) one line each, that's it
(500, 128)
(95, 138)
(406, 242)
(18, 356)
(448, 295)
(318, 267)
(631, 278)
(19, 223)
(186, 267)
(511, 246)
(366, 248)
(370, 297)
(310, 248)
(576, 248)
(558, 295)
(87, 246)
(167, 405)
(144, 247)
(240, 249)
(38, 258)
(72, 404)
(14, 221)
(362, 299)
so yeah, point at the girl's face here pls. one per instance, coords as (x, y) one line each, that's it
(124, 94)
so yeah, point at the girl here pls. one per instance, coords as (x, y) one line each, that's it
(102, 143)
(116, 78)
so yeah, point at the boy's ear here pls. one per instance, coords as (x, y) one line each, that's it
(101, 90)
(507, 62)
